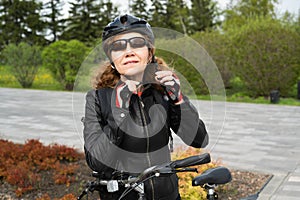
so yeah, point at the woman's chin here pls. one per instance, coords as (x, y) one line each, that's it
(136, 76)
(134, 72)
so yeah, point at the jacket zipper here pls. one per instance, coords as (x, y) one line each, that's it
(148, 140)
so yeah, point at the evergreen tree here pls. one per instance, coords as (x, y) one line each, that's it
(157, 13)
(82, 23)
(53, 18)
(107, 13)
(21, 21)
(170, 14)
(183, 16)
(139, 9)
(177, 15)
(204, 13)
(87, 19)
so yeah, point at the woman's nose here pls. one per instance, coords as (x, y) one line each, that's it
(128, 50)
(128, 47)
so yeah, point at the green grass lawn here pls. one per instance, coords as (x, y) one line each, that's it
(259, 100)
(263, 100)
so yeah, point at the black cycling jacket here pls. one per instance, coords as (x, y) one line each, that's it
(133, 139)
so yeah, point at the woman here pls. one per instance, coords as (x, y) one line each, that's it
(130, 114)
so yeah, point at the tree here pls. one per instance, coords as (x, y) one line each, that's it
(87, 18)
(204, 14)
(177, 15)
(24, 61)
(139, 9)
(157, 13)
(218, 47)
(266, 55)
(21, 22)
(297, 24)
(107, 12)
(239, 13)
(183, 16)
(63, 59)
(83, 21)
(53, 18)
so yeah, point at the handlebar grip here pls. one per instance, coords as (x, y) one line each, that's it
(191, 161)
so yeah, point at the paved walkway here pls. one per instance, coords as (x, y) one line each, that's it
(263, 138)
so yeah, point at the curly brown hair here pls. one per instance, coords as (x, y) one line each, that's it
(107, 77)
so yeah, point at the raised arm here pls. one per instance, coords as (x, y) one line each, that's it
(185, 122)
(184, 118)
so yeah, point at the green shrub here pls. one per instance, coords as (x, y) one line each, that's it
(63, 59)
(266, 56)
(43, 79)
(24, 61)
(217, 46)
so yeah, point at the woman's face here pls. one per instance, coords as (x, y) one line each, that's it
(130, 54)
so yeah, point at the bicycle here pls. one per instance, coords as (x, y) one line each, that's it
(182, 165)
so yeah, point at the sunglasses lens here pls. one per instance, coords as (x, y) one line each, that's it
(119, 45)
(137, 42)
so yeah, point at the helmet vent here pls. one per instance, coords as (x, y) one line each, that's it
(123, 19)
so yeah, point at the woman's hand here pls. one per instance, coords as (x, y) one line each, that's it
(124, 92)
(132, 86)
(172, 85)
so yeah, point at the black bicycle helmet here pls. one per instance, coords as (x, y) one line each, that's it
(127, 23)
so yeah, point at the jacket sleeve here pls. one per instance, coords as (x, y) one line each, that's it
(98, 146)
(185, 122)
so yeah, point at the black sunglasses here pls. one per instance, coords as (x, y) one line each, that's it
(121, 45)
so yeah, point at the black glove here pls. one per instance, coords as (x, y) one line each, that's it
(149, 73)
(171, 84)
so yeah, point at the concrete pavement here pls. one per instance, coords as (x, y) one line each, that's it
(263, 138)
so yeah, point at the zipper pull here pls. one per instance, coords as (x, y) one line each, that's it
(142, 103)
(171, 145)
(139, 93)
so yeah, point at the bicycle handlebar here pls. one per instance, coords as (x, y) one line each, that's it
(166, 168)
(192, 161)
(173, 166)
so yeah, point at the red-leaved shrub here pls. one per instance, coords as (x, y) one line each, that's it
(21, 164)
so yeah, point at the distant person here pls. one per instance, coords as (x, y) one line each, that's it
(135, 105)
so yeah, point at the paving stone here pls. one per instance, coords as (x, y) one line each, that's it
(244, 136)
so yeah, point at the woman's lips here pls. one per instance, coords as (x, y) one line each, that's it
(131, 61)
